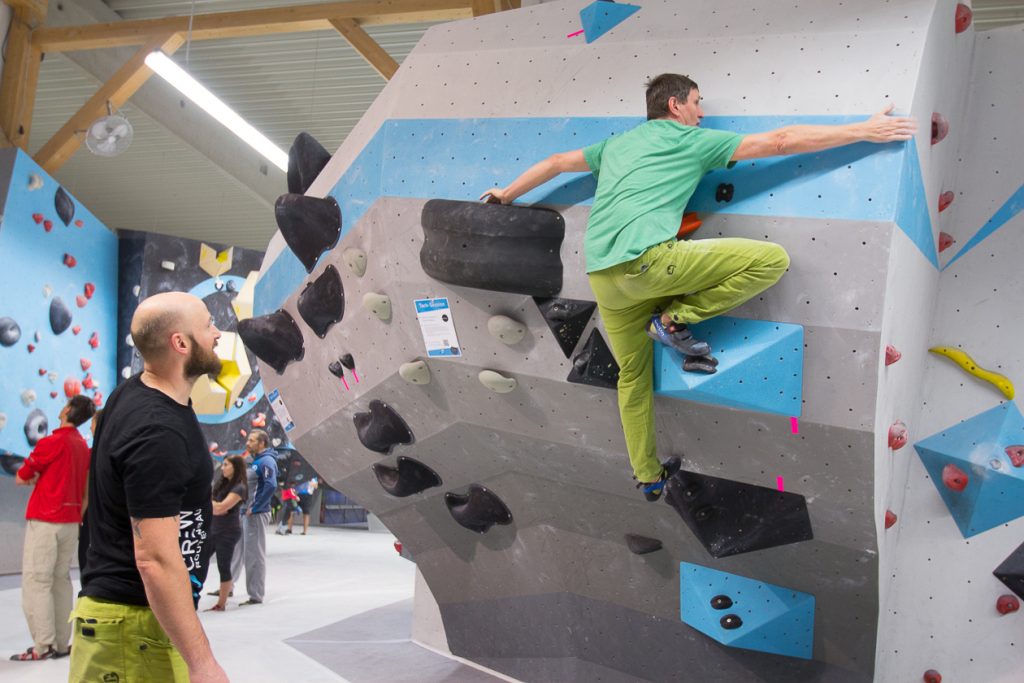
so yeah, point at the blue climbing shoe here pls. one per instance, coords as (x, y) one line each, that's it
(677, 337)
(652, 490)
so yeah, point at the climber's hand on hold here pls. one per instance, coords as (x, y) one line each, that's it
(495, 195)
(885, 128)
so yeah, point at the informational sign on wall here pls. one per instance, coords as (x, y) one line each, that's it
(281, 410)
(438, 327)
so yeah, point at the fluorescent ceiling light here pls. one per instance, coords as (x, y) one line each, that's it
(194, 90)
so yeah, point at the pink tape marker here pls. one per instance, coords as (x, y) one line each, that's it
(345, 382)
(779, 483)
(794, 426)
(573, 35)
(356, 375)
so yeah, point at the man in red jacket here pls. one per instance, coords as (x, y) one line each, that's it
(57, 468)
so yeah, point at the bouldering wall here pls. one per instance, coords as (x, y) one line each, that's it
(490, 443)
(57, 321)
(224, 278)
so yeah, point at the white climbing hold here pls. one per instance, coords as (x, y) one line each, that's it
(415, 372)
(355, 259)
(379, 304)
(126, 372)
(135, 290)
(129, 340)
(52, 376)
(276, 442)
(3, 420)
(497, 382)
(47, 291)
(28, 397)
(36, 336)
(35, 181)
(167, 265)
(505, 329)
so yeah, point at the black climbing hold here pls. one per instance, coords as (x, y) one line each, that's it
(309, 225)
(411, 476)
(641, 545)
(60, 315)
(306, 159)
(322, 302)
(595, 365)
(723, 193)
(275, 338)
(1011, 571)
(382, 428)
(11, 463)
(348, 361)
(10, 331)
(336, 369)
(36, 426)
(731, 622)
(567, 319)
(488, 246)
(729, 517)
(65, 206)
(478, 510)
(721, 602)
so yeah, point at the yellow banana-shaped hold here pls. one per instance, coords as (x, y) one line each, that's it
(961, 358)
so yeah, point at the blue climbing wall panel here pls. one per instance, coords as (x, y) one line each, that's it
(1005, 213)
(760, 367)
(601, 16)
(774, 619)
(995, 490)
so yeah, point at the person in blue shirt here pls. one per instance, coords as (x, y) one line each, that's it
(264, 466)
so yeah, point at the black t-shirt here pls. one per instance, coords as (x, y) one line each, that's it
(230, 521)
(149, 460)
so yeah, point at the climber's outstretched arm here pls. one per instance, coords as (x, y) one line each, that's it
(879, 128)
(537, 175)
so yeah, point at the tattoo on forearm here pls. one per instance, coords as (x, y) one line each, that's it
(137, 527)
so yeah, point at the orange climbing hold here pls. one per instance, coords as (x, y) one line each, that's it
(688, 226)
(954, 478)
(945, 241)
(897, 435)
(963, 17)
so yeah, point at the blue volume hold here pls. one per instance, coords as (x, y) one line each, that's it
(600, 17)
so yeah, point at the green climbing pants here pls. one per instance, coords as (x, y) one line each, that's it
(121, 644)
(691, 281)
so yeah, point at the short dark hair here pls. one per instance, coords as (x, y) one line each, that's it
(661, 88)
(150, 334)
(262, 436)
(80, 409)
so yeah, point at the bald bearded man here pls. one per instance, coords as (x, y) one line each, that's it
(149, 511)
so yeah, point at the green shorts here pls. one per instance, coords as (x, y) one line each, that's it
(116, 643)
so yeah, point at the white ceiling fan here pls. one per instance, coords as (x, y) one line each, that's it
(110, 135)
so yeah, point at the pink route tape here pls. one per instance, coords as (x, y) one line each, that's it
(779, 483)
(573, 35)
(794, 425)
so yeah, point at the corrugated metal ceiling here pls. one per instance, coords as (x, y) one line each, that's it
(282, 84)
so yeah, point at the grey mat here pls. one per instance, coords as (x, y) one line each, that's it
(375, 647)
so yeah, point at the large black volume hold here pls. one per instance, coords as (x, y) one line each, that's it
(309, 225)
(322, 301)
(275, 338)
(382, 428)
(489, 246)
(409, 477)
(478, 510)
(306, 159)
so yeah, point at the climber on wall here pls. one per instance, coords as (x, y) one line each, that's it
(648, 285)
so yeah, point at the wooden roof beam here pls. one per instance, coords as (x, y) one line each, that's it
(291, 19)
(21, 72)
(370, 49)
(121, 86)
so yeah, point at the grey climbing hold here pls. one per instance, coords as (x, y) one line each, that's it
(60, 315)
(65, 206)
(415, 372)
(355, 259)
(497, 382)
(379, 305)
(10, 332)
(641, 545)
(505, 329)
(36, 426)
(11, 463)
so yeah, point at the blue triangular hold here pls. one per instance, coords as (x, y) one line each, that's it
(600, 17)
(1013, 206)
(995, 488)
(766, 617)
(912, 215)
(760, 367)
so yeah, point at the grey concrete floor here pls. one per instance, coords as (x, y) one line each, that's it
(313, 583)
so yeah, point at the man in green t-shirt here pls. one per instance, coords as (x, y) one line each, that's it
(647, 284)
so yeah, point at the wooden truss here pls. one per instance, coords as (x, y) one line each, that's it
(28, 41)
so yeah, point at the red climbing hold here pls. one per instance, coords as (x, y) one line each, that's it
(954, 478)
(31, 348)
(1007, 604)
(945, 241)
(79, 223)
(38, 218)
(89, 382)
(891, 354)
(932, 676)
(945, 199)
(81, 301)
(42, 371)
(897, 435)
(260, 420)
(214, 446)
(97, 399)
(72, 387)
(398, 547)
(940, 127)
(47, 226)
(94, 340)
(86, 363)
(70, 261)
(890, 519)
(963, 17)
(1016, 455)
(252, 398)
(53, 394)
(76, 329)
(89, 290)
(243, 433)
